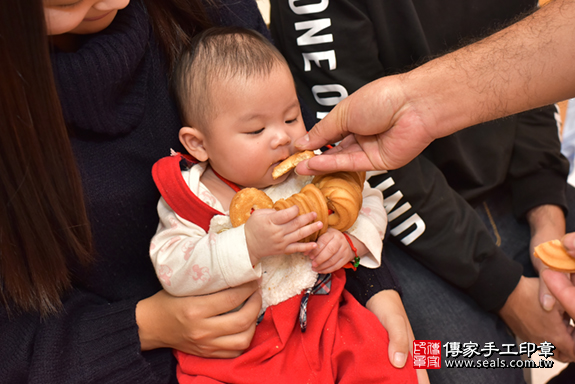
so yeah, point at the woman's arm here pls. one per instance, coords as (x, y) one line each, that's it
(91, 340)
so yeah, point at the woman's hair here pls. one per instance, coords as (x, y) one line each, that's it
(44, 229)
(176, 22)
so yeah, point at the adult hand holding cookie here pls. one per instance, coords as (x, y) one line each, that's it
(562, 285)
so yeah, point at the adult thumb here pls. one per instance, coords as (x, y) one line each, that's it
(331, 129)
(546, 298)
(568, 242)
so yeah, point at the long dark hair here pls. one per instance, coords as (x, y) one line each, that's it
(44, 228)
(43, 220)
(176, 22)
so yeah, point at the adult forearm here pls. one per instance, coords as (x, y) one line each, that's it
(527, 65)
(548, 218)
(392, 119)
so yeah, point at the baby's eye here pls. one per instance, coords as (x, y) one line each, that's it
(256, 132)
(291, 121)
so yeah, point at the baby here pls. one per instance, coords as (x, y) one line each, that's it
(237, 99)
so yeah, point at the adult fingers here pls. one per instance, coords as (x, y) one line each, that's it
(225, 336)
(342, 161)
(240, 321)
(530, 322)
(546, 298)
(387, 306)
(562, 288)
(399, 340)
(347, 156)
(225, 301)
(569, 243)
(332, 128)
(230, 346)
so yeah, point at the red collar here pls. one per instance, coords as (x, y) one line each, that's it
(232, 185)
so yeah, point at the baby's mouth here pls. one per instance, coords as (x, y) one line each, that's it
(277, 163)
(273, 165)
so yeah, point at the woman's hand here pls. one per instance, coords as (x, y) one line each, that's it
(200, 325)
(388, 308)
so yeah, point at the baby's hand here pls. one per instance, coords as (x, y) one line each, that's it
(332, 252)
(270, 232)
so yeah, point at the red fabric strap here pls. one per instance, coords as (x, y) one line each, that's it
(229, 183)
(167, 175)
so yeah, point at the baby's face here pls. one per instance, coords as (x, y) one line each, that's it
(256, 123)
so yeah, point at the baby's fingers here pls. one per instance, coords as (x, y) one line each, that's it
(314, 252)
(329, 266)
(300, 247)
(303, 232)
(330, 258)
(301, 221)
(284, 216)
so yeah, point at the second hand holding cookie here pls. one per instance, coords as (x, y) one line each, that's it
(333, 251)
(270, 232)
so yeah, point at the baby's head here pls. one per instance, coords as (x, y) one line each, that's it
(238, 103)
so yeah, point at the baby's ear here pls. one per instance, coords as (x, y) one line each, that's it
(193, 140)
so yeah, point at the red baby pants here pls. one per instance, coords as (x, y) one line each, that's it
(343, 343)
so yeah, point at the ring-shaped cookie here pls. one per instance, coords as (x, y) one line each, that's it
(343, 196)
(319, 205)
(310, 199)
(245, 202)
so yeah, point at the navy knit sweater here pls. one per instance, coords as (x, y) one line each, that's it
(116, 104)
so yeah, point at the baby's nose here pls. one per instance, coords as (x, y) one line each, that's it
(281, 138)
